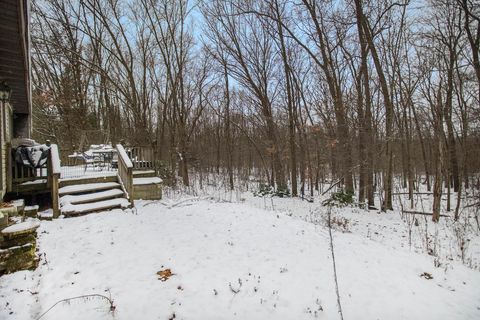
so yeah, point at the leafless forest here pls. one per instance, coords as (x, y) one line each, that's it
(292, 93)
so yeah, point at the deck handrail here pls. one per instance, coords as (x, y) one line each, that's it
(143, 157)
(54, 171)
(55, 159)
(125, 172)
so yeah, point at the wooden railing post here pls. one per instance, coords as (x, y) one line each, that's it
(54, 190)
(155, 160)
(125, 172)
(10, 163)
(54, 171)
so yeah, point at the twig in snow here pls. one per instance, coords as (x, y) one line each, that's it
(235, 291)
(423, 213)
(333, 262)
(178, 203)
(109, 299)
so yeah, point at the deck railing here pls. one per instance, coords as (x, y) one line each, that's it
(19, 173)
(54, 171)
(125, 172)
(143, 157)
(50, 172)
(81, 166)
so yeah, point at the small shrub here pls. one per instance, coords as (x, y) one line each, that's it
(264, 190)
(282, 192)
(166, 174)
(267, 190)
(339, 199)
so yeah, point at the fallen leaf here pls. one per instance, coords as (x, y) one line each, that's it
(164, 275)
(426, 275)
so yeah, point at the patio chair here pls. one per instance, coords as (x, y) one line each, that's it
(92, 160)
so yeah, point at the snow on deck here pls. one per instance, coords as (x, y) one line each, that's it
(37, 181)
(229, 261)
(81, 171)
(90, 174)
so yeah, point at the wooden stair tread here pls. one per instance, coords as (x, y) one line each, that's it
(144, 173)
(88, 179)
(146, 180)
(77, 209)
(140, 172)
(100, 175)
(88, 187)
(91, 197)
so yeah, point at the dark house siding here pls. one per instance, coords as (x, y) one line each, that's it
(14, 56)
(15, 119)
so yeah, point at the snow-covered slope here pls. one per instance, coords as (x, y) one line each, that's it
(229, 261)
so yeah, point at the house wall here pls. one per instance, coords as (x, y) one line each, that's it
(22, 125)
(15, 117)
(6, 120)
(15, 53)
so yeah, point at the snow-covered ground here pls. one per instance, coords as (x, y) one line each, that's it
(251, 258)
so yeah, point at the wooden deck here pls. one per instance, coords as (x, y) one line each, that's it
(133, 164)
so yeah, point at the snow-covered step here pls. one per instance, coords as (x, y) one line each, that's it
(91, 197)
(89, 187)
(98, 178)
(45, 215)
(143, 173)
(20, 229)
(30, 211)
(77, 209)
(147, 188)
(149, 180)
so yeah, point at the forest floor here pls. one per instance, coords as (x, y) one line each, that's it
(235, 256)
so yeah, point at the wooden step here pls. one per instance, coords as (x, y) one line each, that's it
(147, 180)
(31, 211)
(45, 215)
(144, 173)
(88, 187)
(20, 229)
(147, 188)
(79, 209)
(107, 177)
(91, 197)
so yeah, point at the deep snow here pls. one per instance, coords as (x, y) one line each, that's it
(236, 261)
